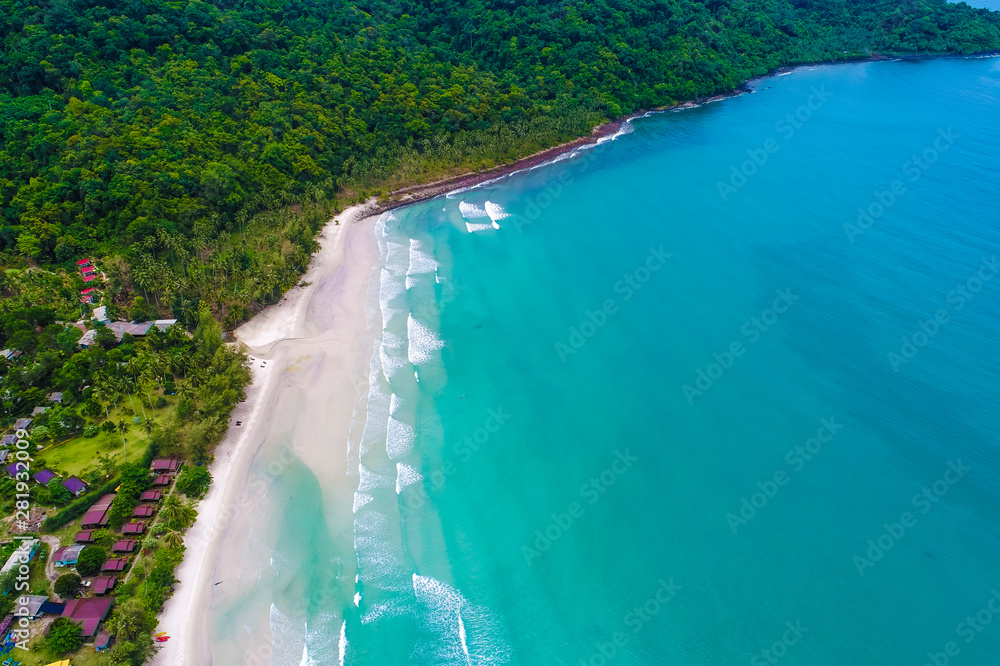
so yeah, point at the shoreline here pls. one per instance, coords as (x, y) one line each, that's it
(422, 192)
(226, 507)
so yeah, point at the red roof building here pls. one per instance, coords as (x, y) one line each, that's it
(104, 584)
(114, 564)
(151, 496)
(165, 465)
(161, 480)
(88, 613)
(143, 511)
(124, 546)
(83, 262)
(88, 270)
(84, 536)
(88, 278)
(138, 527)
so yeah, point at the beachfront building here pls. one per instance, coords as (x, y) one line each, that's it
(135, 528)
(67, 556)
(84, 536)
(143, 511)
(89, 613)
(124, 546)
(114, 565)
(161, 480)
(165, 466)
(120, 328)
(97, 515)
(104, 584)
(151, 496)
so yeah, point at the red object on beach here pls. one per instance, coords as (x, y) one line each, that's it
(162, 639)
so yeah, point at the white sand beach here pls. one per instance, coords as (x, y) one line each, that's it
(318, 330)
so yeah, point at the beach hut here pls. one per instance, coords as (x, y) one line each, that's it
(84, 536)
(116, 564)
(124, 546)
(97, 514)
(88, 270)
(104, 584)
(143, 511)
(151, 496)
(13, 469)
(164, 466)
(75, 486)
(138, 527)
(55, 396)
(7, 441)
(88, 613)
(88, 278)
(161, 480)
(23, 424)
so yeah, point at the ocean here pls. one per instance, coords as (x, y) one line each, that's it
(722, 389)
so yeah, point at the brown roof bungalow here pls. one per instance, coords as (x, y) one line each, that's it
(161, 480)
(104, 584)
(138, 527)
(151, 496)
(124, 546)
(143, 511)
(88, 613)
(114, 564)
(165, 465)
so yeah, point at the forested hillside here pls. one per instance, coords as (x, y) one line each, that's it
(203, 143)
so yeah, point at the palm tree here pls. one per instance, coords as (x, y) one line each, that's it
(176, 513)
(122, 429)
(148, 425)
(130, 619)
(173, 539)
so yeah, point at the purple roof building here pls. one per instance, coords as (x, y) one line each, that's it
(74, 486)
(44, 476)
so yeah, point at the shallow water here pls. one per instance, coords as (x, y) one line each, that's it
(677, 399)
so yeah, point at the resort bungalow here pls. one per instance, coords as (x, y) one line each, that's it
(138, 527)
(75, 486)
(151, 496)
(83, 262)
(161, 480)
(124, 546)
(115, 564)
(143, 511)
(88, 613)
(84, 536)
(88, 278)
(104, 584)
(165, 466)
(87, 270)
(55, 397)
(23, 424)
(13, 469)
(67, 556)
(102, 642)
(97, 515)
(44, 476)
(8, 441)
(38, 411)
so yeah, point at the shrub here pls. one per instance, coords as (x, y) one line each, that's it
(67, 585)
(91, 430)
(64, 636)
(194, 480)
(91, 559)
(161, 402)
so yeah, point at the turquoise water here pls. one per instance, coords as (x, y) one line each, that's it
(649, 411)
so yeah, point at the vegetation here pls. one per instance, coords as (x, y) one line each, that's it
(198, 146)
(90, 560)
(194, 480)
(64, 636)
(67, 585)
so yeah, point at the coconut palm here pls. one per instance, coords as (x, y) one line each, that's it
(176, 514)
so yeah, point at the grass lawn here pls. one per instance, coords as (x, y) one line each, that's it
(77, 456)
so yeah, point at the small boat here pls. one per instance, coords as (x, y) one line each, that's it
(162, 633)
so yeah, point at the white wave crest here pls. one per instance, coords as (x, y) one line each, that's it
(406, 476)
(422, 341)
(496, 212)
(399, 439)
